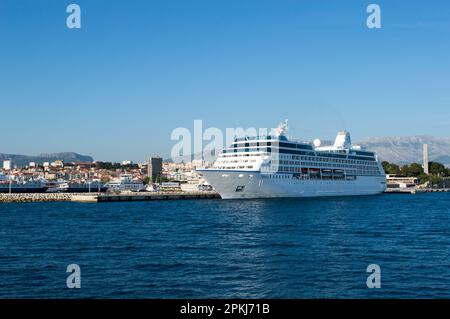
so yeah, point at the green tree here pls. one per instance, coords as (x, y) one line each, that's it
(390, 168)
(415, 169)
(404, 170)
(436, 168)
(146, 180)
(435, 179)
(423, 178)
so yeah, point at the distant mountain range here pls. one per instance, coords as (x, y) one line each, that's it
(399, 150)
(409, 149)
(24, 160)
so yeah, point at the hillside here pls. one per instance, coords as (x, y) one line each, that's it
(23, 160)
(408, 149)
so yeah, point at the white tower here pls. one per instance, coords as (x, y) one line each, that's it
(7, 165)
(425, 159)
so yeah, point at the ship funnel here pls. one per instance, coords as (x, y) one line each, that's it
(343, 140)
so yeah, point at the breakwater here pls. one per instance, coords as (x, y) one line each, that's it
(103, 197)
(35, 197)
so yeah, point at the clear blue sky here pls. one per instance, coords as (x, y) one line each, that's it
(116, 88)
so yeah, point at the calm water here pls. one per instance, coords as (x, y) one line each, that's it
(305, 248)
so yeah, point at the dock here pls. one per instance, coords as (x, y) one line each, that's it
(413, 190)
(104, 197)
(131, 197)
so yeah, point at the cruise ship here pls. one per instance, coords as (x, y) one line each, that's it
(277, 166)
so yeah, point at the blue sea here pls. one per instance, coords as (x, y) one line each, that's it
(281, 248)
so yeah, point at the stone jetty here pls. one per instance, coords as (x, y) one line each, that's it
(34, 197)
(104, 197)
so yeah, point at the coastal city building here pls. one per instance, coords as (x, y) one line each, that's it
(57, 163)
(7, 165)
(154, 168)
(59, 176)
(401, 182)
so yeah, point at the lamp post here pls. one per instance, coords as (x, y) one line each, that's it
(89, 180)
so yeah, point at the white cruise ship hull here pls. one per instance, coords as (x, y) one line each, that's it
(235, 184)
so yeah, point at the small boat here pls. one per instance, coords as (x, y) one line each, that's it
(125, 183)
(57, 187)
